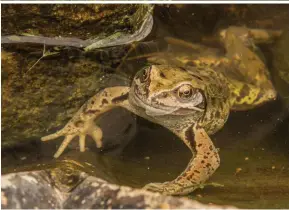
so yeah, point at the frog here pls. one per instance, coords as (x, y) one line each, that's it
(191, 97)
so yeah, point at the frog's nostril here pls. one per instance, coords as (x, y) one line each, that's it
(162, 75)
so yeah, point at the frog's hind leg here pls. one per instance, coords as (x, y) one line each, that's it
(247, 96)
(245, 68)
(203, 164)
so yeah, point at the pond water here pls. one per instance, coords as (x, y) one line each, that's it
(254, 150)
(254, 160)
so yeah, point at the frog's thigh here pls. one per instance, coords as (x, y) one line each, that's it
(246, 96)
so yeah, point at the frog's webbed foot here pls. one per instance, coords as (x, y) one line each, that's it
(170, 188)
(257, 35)
(174, 188)
(70, 132)
(82, 123)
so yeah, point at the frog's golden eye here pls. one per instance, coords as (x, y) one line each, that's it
(185, 91)
(145, 75)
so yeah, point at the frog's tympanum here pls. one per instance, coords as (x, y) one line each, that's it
(193, 100)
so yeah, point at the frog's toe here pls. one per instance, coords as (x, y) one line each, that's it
(96, 133)
(50, 137)
(155, 187)
(82, 143)
(63, 145)
(167, 188)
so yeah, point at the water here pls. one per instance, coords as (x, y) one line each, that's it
(254, 145)
(254, 159)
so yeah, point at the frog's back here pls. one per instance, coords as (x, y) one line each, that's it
(217, 97)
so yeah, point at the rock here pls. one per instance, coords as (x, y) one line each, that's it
(29, 190)
(52, 189)
(42, 100)
(43, 86)
(90, 25)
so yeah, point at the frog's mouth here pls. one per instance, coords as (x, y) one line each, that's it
(151, 109)
(156, 109)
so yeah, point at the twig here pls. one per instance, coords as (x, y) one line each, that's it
(44, 54)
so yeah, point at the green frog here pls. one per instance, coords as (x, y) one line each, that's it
(192, 98)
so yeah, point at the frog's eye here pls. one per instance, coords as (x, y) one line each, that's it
(185, 91)
(145, 74)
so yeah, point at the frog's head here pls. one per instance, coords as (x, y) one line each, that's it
(163, 90)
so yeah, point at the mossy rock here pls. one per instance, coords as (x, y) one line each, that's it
(44, 86)
(83, 21)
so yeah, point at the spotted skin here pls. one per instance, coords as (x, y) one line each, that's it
(192, 101)
(242, 65)
(154, 96)
(82, 123)
(200, 168)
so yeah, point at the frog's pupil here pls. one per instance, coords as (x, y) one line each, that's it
(187, 93)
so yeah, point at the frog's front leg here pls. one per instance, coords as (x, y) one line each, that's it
(82, 123)
(204, 163)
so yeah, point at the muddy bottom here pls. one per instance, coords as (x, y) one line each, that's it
(254, 150)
